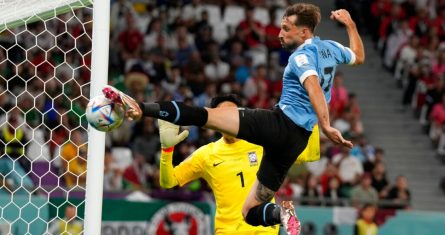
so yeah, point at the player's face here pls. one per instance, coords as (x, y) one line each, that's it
(291, 36)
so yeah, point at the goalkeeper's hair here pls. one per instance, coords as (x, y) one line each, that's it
(225, 98)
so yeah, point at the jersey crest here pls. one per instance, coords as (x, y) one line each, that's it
(301, 60)
(253, 160)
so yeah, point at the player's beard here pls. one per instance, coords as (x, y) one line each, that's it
(289, 46)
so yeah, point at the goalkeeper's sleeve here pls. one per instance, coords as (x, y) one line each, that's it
(167, 177)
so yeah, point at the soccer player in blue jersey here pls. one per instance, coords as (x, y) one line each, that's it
(283, 131)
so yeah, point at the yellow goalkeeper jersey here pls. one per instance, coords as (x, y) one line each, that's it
(230, 170)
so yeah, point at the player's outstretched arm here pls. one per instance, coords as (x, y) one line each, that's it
(320, 106)
(169, 137)
(355, 41)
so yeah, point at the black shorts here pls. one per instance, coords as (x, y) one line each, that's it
(281, 138)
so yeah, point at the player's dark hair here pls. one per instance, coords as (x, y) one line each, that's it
(307, 15)
(223, 98)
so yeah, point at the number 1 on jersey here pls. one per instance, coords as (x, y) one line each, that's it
(240, 174)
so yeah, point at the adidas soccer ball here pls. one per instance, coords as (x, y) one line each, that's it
(103, 114)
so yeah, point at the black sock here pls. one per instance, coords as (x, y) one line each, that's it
(175, 112)
(266, 214)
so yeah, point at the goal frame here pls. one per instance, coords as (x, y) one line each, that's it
(96, 150)
(13, 17)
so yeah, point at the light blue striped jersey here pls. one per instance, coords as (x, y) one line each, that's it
(314, 57)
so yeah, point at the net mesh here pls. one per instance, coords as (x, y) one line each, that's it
(44, 88)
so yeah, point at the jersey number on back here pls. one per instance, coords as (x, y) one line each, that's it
(328, 71)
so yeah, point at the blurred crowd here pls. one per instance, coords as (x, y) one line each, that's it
(410, 36)
(191, 51)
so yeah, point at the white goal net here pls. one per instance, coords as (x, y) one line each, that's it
(45, 66)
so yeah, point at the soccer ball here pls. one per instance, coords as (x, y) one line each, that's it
(103, 114)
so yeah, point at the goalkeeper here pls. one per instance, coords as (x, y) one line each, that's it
(229, 166)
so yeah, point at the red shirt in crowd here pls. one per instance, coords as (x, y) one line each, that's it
(131, 40)
(252, 38)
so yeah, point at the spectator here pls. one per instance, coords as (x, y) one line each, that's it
(339, 96)
(153, 33)
(158, 61)
(362, 150)
(13, 141)
(203, 100)
(438, 120)
(370, 163)
(253, 31)
(135, 175)
(184, 52)
(350, 168)
(420, 24)
(74, 160)
(379, 181)
(438, 67)
(365, 225)
(353, 115)
(271, 31)
(399, 194)
(414, 75)
(182, 36)
(70, 224)
(433, 96)
(202, 23)
(311, 194)
(112, 173)
(145, 141)
(333, 195)
(439, 22)
(253, 83)
(120, 9)
(395, 41)
(407, 57)
(217, 70)
(388, 25)
(364, 192)
(330, 172)
(204, 43)
(130, 40)
(173, 80)
(194, 73)
(318, 167)
(38, 148)
(236, 38)
(191, 12)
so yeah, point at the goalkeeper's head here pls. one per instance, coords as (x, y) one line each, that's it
(217, 100)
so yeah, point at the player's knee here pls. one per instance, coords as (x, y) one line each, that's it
(251, 216)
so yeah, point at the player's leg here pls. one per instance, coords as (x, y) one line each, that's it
(225, 120)
(257, 208)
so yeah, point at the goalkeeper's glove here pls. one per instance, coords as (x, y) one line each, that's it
(168, 134)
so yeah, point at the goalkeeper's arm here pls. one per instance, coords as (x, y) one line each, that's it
(169, 137)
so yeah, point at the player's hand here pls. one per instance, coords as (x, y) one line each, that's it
(168, 134)
(335, 136)
(342, 16)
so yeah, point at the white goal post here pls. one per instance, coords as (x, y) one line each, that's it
(99, 71)
(27, 44)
